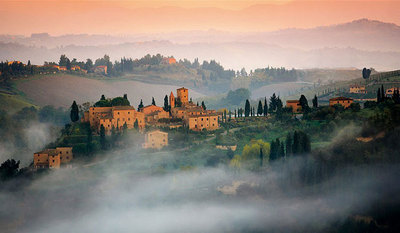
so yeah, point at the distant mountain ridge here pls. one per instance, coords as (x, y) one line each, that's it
(360, 43)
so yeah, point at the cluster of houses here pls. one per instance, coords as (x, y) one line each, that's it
(96, 69)
(344, 101)
(182, 113)
(52, 158)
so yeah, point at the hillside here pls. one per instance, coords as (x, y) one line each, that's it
(61, 89)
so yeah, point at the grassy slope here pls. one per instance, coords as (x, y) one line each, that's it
(13, 103)
(62, 89)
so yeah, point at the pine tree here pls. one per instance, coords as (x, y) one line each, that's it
(265, 107)
(74, 115)
(272, 103)
(304, 103)
(153, 102)
(166, 106)
(260, 108)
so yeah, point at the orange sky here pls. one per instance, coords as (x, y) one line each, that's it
(130, 17)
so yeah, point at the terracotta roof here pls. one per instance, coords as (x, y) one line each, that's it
(157, 131)
(340, 98)
(292, 101)
(123, 108)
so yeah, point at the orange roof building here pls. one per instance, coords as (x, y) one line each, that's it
(344, 101)
(294, 105)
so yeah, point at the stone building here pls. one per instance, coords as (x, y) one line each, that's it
(294, 104)
(344, 101)
(357, 89)
(114, 117)
(52, 158)
(155, 139)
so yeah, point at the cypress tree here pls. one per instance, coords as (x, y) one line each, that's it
(272, 154)
(102, 137)
(304, 103)
(140, 106)
(74, 115)
(103, 97)
(282, 151)
(166, 106)
(378, 96)
(261, 157)
(203, 105)
(247, 108)
(153, 102)
(289, 144)
(296, 143)
(315, 101)
(265, 107)
(260, 108)
(382, 94)
(126, 96)
(136, 125)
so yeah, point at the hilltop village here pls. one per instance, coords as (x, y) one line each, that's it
(177, 112)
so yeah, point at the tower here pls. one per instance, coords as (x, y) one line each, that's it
(183, 95)
(172, 100)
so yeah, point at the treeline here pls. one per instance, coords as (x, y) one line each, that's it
(272, 74)
(10, 70)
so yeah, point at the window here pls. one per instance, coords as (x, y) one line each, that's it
(129, 119)
(129, 113)
(118, 113)
(60, 152)
(67, 157)
(54, 161)
(67, 152)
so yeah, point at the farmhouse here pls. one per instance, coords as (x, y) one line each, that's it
(294, 104)
(101, 70)
(155, 139)
(52, 158)
(390, 91)
(357, 89)
(193, 116)
(114, 117)
(344, 101)
(168, 61)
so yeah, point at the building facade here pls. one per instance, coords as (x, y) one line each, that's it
(344, 101)
(357, 89)
(52, 158)
(155, 139)
(294, 104)
(114, 117)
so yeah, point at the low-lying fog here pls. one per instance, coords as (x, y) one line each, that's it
(133, 192)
